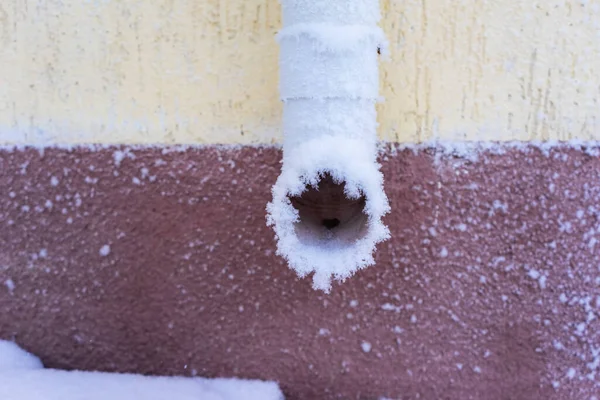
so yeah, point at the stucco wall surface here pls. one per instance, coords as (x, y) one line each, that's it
(137, 259)
(187, 71)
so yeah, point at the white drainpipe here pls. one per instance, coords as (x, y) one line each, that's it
(329, 200)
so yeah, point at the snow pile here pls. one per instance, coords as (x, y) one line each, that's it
(62, 385)
(47, 384)
(330, 86)
(13, 357)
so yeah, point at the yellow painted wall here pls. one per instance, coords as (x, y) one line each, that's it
(205, 71)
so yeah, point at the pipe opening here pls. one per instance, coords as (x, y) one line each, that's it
(331, 223)
(327, 215)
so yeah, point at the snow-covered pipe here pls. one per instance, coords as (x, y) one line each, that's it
(328, 201)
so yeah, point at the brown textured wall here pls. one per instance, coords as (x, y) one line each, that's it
(159, 262)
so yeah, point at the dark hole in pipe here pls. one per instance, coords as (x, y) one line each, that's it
(326, 213)
(331, 223)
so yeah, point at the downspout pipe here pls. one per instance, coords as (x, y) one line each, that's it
(329, 201)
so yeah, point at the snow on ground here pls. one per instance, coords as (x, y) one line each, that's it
(12, 357)
(21, 378)
(46, 384)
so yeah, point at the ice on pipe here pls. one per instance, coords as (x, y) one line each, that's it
(321, 61)
(328, 202)
(331, 241)
(47, 384)
(13, 357)
(339, 39)
(308, 119)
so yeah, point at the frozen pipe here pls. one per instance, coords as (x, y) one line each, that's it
(328, 201)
